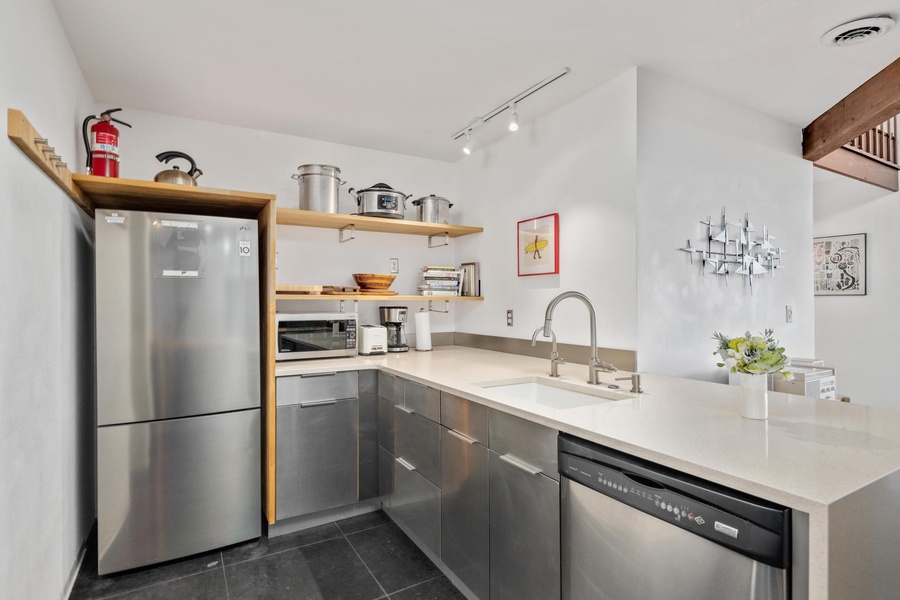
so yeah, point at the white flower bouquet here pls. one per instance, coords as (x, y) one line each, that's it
(756, 355)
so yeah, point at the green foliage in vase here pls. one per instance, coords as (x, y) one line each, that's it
(754, 354)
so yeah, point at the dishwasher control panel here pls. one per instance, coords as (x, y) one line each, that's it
(657, 500)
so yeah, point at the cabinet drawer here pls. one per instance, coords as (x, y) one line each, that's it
(316, 386)
(423, 400)
(390, 387)
(416, 503)
(526, 441)
(465, 417)
(417, 440)
(316, 457)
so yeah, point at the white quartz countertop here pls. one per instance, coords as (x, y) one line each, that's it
(807, 455)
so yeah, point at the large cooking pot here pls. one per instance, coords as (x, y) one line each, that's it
(319, 187)
(433, 209)
(381, 200)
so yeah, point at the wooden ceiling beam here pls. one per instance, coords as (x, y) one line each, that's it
(860, 168)
(871, 104)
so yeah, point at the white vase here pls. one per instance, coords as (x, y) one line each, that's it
(754, 396)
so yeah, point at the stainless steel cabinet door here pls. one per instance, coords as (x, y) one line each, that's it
(525, 548)
(423, 400)
(417, 440)
(368, 435)
(316, 456)
(465, 531)
(386, 477)
(527, 441)
(416, 503)
(169, 489)
(386, 423)
(465, 417)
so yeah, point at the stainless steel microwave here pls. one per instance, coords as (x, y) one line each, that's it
(315, 335)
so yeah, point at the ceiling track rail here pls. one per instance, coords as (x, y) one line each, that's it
(38, 149)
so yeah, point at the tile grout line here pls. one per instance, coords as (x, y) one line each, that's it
(224, 577)
(240, 562)
(352, 547)
(150, 585)
(365, 529)
(418, 584)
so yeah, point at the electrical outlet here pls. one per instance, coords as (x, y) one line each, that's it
(509, 318)
(788, 314)
(395, 265)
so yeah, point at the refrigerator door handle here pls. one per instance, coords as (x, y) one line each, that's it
(312, 403)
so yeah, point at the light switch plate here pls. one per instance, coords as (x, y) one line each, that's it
(788, 313)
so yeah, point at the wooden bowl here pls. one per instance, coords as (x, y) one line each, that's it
(374, 281)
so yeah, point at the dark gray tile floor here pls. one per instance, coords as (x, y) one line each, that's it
(360, 558)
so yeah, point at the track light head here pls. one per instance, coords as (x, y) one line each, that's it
(470, 143)
(513, 118)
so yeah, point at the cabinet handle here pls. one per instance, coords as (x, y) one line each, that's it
(404, 409)
(318, 374)
(312, 403)
(405, 464)
(521, 465)
(462, 436)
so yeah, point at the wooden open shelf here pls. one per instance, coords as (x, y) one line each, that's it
(134, 194)
(308, 218)
(380, 298)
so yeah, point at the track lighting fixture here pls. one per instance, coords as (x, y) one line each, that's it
(470, 143)
(513, 118)
(509, 105)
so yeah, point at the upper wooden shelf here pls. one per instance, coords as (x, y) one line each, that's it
(379, 297)
(134, 194)
(308, 218)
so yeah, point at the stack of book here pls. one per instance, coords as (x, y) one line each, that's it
(440, 281)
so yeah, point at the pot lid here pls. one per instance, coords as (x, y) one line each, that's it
(418, 201)
(318, 170)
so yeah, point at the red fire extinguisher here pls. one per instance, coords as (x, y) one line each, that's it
(102, 145)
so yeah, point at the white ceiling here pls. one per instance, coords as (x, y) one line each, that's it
(403, 75)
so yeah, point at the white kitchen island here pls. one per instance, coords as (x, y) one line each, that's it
(837, 465)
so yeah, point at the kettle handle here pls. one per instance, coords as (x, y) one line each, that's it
(165, 157)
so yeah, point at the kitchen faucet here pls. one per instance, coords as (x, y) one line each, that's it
(596, 365)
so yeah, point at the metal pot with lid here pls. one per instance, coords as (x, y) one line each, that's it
(176, 175)
(381, 200)
(433, 209)
(319, 187)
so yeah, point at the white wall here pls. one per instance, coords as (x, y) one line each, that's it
(258, 161)
(697, 153)
(857, 334)
(579, 161)
(46, 321)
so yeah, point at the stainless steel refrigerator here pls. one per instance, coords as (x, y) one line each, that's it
(178, 385)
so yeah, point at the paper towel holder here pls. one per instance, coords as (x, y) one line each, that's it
(423, 328)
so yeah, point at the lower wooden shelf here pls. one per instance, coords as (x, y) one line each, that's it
(378, 297)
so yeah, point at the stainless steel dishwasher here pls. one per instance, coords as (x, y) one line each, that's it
(634, 530)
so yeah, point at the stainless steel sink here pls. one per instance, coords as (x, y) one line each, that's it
(551, 393)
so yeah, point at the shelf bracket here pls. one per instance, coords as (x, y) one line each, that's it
(446, 240)
(446, 307)
(355, 305)
(341, 231)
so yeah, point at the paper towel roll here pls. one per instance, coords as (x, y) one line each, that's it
(423, 331)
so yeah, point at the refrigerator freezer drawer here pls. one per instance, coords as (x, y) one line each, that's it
(173, 488)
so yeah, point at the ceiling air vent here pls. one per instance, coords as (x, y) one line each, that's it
(857, 32)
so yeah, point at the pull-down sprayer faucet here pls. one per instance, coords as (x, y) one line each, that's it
(596, 365)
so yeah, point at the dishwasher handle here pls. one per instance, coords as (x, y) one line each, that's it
(645, 481)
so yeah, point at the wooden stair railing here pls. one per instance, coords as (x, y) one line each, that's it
(879, 143)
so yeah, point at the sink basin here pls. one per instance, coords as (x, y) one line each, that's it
(553, 394)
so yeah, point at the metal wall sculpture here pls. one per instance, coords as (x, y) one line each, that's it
(736, 248)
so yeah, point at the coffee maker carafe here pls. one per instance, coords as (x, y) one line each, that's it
(394, 318)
